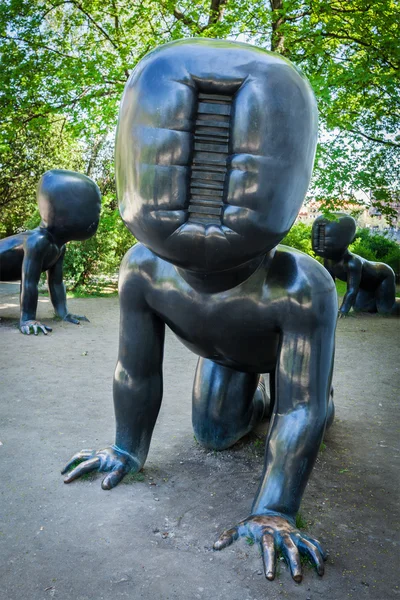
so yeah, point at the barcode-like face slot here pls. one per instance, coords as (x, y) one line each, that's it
(210, 156)
(321, 237)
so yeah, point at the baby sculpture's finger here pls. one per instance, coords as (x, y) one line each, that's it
(112, 479)
(48, 328)
(316, 543)
(71, 319)
(226, 538)
(35, 329)
(43, 328)
(78, 457)
(268, 554)
(83, 318)
(312, 551)
(86, 467)
(292, 556)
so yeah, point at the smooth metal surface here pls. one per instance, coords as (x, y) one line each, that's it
(216, 276)
(69, 204)
(371, 286)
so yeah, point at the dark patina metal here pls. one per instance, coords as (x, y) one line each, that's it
(371, 286)
(69, 204)
(214, 153)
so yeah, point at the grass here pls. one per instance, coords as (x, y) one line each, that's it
(133, 478)
(94, 291)
(102, 288)
(249, 541)
(341, 287)
(301, 523)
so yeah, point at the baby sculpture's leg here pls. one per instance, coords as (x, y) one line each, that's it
(386, 295)
(365, 301)
(226, 404)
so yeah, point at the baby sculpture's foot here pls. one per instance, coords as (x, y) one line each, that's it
(33, 326)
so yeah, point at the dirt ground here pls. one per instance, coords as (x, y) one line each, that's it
(151, 537)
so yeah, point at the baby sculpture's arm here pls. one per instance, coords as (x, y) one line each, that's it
(137, 384)
(57, 292)
(34, 250)
(354, 271)
(302, 387)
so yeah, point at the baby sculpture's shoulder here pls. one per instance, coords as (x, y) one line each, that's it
(139, 262)
(25, 240)
(140, 268)
(303, 283)
(36, 240)
(292, 267)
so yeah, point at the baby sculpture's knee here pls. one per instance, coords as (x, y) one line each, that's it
(213, 433)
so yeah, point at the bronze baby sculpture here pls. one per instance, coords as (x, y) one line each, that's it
(371, 286)
(214, 153)
(69, 204)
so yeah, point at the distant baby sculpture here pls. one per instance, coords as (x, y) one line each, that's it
(69, 204)
(214, 153)
(371, 286)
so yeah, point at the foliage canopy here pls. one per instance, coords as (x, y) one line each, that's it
(64, 64)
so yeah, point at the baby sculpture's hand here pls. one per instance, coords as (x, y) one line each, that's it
(35, 326)
(112, 459)
(75, 319)
(274, 533)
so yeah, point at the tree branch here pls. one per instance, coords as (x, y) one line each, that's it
(187, 20)
(347, 37)
(374, 139)
(87, 15)
(216, 10)
(36, 45)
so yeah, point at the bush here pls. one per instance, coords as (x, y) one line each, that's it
(359, 247)
(379, 244)
(377, 247)
(392, 259)
(299, 237)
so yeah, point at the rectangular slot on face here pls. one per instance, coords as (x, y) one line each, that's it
(321, 237)
(209, 162)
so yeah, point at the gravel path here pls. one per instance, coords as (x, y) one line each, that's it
(152, 536)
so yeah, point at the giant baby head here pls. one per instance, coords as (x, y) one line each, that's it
(69, 204)
(331, 236)
(214, 151)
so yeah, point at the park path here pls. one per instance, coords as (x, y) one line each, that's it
(151, 537)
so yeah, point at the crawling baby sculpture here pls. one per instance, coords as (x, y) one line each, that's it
(69, 204)
(214, 152)
(371, 286)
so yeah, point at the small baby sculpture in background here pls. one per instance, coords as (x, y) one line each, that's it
(69, 204)
(371, 286)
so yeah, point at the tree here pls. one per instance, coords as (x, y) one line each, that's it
(25, 156)
(68, 61)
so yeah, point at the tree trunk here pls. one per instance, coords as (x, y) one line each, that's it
(277, 37)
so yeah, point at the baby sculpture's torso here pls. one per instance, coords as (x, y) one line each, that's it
(371, 273)
(12, 251)
(239, 327)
